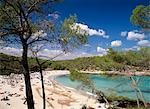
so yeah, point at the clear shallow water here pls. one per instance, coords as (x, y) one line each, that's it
(118, 85)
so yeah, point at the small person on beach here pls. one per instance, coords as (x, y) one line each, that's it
(25, 101)
(5, 99)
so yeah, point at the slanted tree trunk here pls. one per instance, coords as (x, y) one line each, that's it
(29, 95)
(142, 97)
(41, 74)
(137, 90)
(42, 82)
(137, 98)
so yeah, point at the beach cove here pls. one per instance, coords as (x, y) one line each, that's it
(12, 93)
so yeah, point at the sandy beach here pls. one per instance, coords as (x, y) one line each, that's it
(12, 93)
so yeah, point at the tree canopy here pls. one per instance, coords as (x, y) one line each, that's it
(26, 24)
(141, 16)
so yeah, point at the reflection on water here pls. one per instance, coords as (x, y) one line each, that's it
(119, 85)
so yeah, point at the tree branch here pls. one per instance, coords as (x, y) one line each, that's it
(31, 8)
(27, 22)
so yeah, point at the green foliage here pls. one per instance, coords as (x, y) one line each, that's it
(34, 67)
(82, 77)
(11, 64)
(114, 97)
(70, 36)
(113, 61)
(57, 66)
(125, 102)
(137, 60)
(137, 108)
(140, 16)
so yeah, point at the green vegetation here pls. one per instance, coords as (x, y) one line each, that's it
(140, 16)
(17, 28)
(11, 64)
(79, 76)
(119, 101)
(137, 108)
(112, 100)
(113, 61)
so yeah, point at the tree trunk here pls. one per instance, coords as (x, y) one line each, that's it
(29, 95)
(137, 98)
(142, 97)
(42, 82)
(43, 90)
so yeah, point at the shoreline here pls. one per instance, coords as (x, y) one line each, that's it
(84, 93)
(125, 73)
(100, 73)
(57, 96)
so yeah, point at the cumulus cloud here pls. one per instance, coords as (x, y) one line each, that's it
(135, 35)
(116, 43)
(54, 15)
(11, 51)
(144, 43)
(1, 42)
(87, 45)
(40, 33)
(85, 30)
(73, 55)
(106, 36)
(49, 53)
(124, 33)
(101, 50)
(17, 52)
(132, 48)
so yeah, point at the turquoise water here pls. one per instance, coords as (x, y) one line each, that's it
(118, 85)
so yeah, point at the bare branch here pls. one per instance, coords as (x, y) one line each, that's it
(27, 22)
(31, 7)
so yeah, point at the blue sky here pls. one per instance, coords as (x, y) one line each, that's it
(112, 16)
(100, 18)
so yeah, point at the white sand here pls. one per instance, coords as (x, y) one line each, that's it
(57, 96)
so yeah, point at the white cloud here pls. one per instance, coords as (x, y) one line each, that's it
(135, 35)
(48, 54)
(37, 34)
(84, 29)
(106, 36)
(11, 50)
(101, 50)
(1, 42)
(54, 15)
(87, 45)
(70, 55)
(143, 43)
(132, 48)
(124, 33)
(116, 43)
(18, 52)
